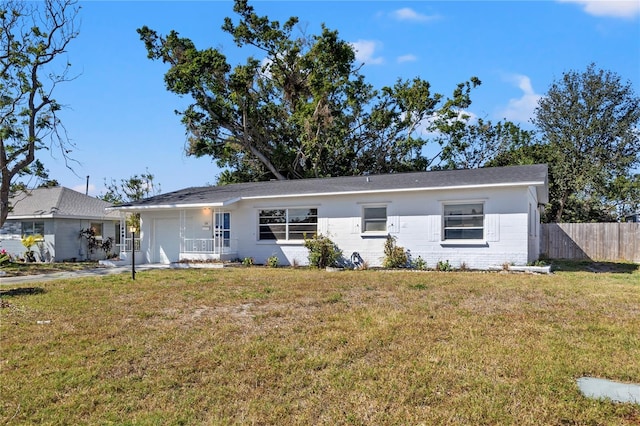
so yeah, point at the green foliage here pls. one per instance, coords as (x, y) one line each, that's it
(5, 258)
(419, 263)
(33, 35)
(470, 145)
(590, 121)
(93, 243)
(247, 261)
(444, 266)
(588, 126)
(322, 251)
(394, 255)
(29, 241)
(135, 188)
(304, 111)
(273, 261)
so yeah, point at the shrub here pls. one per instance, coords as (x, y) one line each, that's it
(4, 257)
(94, 243)
(444, 266)
(247, 261)
(29, 241)
(419, 264)
(273, 261)
(394, 255)
(322, 251)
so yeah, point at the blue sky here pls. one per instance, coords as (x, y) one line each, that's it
(121, 118)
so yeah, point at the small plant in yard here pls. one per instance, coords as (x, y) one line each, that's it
(247, 261)
(419, 263)
(94, 243)
(444, 266)
(273, 261)
(394, 255)
(4, 257)
(29, 241)
(322, 251)
(463, 267)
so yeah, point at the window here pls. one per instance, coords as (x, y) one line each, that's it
(97, 230)
(33, 228)
(464, 221)
(374, 219)
(287, 224)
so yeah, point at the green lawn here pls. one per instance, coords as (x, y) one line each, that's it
(298, 346)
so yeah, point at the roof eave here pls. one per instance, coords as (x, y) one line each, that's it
(428, 188)
(536, 183)
(173, 206)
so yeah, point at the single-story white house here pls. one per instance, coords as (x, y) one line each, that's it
(481, 217)
(58, 215)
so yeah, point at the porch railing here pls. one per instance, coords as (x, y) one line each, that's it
(209, 245)
(126, 246)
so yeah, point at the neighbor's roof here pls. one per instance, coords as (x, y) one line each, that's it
(58, 202)
(534, 175)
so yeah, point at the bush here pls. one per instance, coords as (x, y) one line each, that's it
(29, 241)
(394, 255)
(4, 257)
(247, 261)
(444, 266)
(419, 264)
(273, 261)
(322, 251)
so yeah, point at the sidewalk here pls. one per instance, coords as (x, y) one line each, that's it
(75, 274)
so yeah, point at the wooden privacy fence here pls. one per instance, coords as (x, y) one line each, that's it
(594, 241)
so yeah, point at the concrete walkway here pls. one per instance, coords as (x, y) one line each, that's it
(76, 274)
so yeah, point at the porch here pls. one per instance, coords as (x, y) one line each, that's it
(197, 234)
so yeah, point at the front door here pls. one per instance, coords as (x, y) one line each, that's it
(166, 244)
(222, 232)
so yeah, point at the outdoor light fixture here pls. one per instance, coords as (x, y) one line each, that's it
(132, 229)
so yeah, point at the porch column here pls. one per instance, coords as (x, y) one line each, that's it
(183, 229)
(123, 232)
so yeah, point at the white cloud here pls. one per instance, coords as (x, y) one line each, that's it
(613, 8)
(365, 50)
(407, 58)
(408, 14)
(521, 109)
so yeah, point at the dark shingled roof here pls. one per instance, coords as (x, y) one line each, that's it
(58, 202)
(228, 194)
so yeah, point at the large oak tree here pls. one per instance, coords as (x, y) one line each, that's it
(301, 108)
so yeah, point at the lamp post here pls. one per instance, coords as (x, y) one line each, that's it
(133, 252)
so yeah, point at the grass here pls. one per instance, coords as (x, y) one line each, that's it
(285, 346)
(16, 269)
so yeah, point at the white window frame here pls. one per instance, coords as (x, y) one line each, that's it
(33, 228)
(98, 229)
(444, 228)
(364, 220)
(287, 224)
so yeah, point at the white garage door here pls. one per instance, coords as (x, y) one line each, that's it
(166, 242)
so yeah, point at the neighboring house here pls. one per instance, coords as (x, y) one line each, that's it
(482, 217)
(633, 218)
(58, 215)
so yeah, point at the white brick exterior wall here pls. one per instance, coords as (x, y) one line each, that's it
(415, 218)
